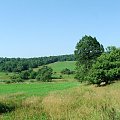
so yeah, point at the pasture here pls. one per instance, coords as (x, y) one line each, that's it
(59, 100)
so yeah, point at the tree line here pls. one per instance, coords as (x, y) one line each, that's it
(22, 64)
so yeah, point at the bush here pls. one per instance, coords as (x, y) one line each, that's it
(44, 74)
(67, 71)
(33, 75)
(17, 80)
(8, 81)
(6, 108)
(25, 75)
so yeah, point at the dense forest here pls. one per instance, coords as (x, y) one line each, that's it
(21, 64)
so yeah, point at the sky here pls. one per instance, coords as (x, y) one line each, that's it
(35, 28)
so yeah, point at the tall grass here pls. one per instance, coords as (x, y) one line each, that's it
(84, 103)
(78, 103)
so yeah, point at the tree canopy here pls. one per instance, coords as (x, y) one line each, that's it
(86, 52)
(107, 67)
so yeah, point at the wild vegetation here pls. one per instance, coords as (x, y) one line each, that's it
(45, 88)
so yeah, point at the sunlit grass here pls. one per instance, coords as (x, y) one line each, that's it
(59, 66)
(77, 103)
(35, 88)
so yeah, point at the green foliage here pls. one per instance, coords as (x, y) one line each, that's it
(22, 64)
(81, 72)
(67, 71)
(87, 50)
(24, 75)
(33, 75)
(106, 68)
(6, 108)
(45, 74)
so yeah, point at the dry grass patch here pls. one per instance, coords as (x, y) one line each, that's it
(83, 103)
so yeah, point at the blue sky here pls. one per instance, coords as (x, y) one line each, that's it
(32, 28)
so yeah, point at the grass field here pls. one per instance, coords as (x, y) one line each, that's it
(5, 76)
(33, 89)
(59, 66)
(79, 102)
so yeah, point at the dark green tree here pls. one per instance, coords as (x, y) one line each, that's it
(45, 74)
(107, 68)
(33, 74)
(24, 75)
(86, 52)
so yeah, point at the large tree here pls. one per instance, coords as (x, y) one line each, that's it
(86, 52)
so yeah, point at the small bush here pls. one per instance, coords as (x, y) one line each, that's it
(17, 80)
(8, 81)
(6, 108)
(67, 71)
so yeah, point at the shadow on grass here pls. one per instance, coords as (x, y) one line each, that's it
(4, 108)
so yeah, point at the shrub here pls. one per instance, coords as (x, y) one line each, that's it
(24, 75)
(6, 108)
(67, 71)
(44, 74)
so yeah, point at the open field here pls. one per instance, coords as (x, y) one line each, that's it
(32, 89)
(79, 102)
(59, 66)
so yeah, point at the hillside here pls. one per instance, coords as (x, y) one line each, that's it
(59, 66)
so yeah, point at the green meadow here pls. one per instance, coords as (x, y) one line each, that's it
(59, 100)
(59, 66)
(33, 89)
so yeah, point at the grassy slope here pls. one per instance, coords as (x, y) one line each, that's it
(58, 66)
(5, 76)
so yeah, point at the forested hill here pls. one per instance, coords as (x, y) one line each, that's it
(20, 64)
